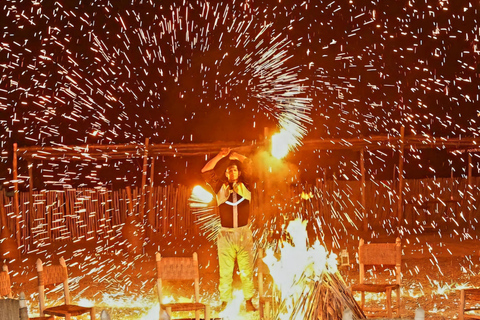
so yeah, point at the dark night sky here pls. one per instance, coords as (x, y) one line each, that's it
(76, 72)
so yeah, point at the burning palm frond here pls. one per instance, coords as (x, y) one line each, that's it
(203, 207)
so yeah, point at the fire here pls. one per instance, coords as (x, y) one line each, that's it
(232, 310)
(122, 306)
(298, 266)
(289, 137)
(282, 142)
(200, 197)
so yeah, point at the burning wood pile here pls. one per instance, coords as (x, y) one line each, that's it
(308, 285)
(328, 299)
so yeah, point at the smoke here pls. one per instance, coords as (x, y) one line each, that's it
(273, 205)
(275, 175)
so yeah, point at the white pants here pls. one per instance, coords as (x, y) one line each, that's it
(235, 243)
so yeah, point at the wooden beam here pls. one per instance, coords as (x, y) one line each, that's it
(123, 151)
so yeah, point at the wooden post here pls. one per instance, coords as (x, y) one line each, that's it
(9, 309)
(66, 289)
(30, 177)
(469, 187)
(469, 170)
(23, 306)
(30, 200)
(15, 194)
(362, 190)
(144, 182)
(400, 175)
(41, 287)
(7, 283)
(197, 286)
(132, 231)
(158, 259)
(130, 202)
(150, 210)
(361, 273)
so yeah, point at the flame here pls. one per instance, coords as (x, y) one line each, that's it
(282, 143)
(200, 197)
(123, 302)
(232, 310)
(290, 135)
(153, 313)
(298, 266)
(120, 300)
(306, 196)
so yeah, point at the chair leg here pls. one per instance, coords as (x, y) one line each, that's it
(398, 303)
(362, 300)
(389, 302)
(462, 305)
(197, 314)
(92, 313)
(207, 312)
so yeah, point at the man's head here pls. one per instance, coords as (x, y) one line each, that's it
(233, 171)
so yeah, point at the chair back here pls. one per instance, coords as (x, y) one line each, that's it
(177, 268)
(52, 275)
(385, 254)
(5, 285)
(469, 301)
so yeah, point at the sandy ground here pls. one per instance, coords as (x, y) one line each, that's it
(435, 265)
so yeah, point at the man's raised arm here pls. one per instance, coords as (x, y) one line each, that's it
(210, 165)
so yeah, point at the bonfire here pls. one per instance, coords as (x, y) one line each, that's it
(307, 280)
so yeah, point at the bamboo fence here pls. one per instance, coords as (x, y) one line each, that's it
(49, 216)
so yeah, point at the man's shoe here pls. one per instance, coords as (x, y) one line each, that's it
(249, 306)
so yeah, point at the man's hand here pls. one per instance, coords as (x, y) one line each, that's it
(236, 156)
(224, 152)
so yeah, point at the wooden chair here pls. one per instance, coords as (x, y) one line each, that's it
(380, 254)
(6, 290)
(469, 301)
(55, 274)
(180, 268)
(264, 301)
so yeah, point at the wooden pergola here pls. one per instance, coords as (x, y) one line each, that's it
(146, 150)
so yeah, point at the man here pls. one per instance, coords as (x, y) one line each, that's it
(224, 174)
